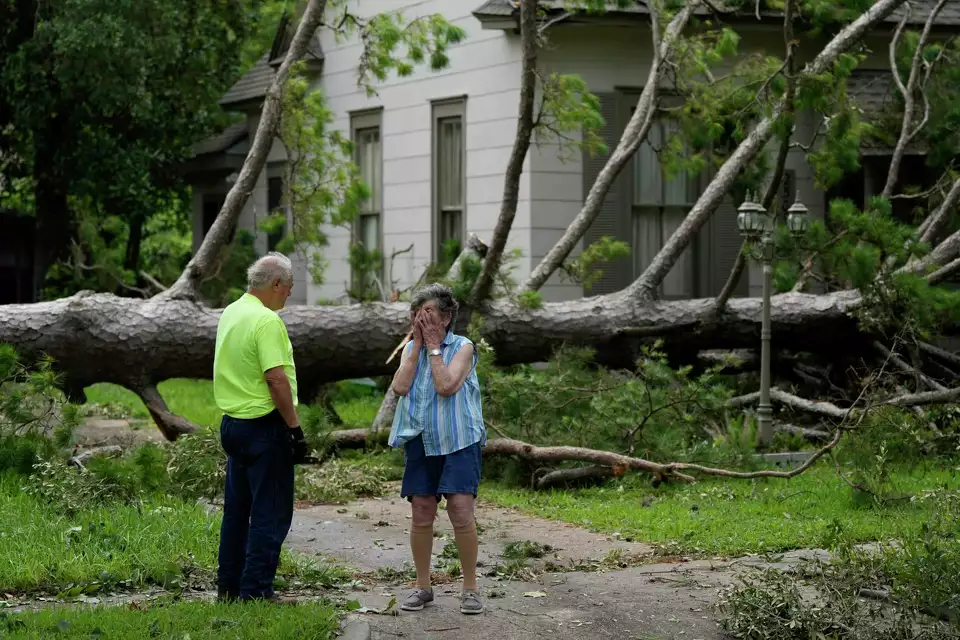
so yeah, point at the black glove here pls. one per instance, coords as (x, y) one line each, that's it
(298, 444)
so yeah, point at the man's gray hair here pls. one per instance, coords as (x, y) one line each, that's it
(273, 266)
(446, 303)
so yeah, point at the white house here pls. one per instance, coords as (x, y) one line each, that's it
(434, 147)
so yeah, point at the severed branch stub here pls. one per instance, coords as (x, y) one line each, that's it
(170, 424)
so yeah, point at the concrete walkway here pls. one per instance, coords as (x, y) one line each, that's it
(577, 590)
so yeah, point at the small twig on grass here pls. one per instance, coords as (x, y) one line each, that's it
(78, 458)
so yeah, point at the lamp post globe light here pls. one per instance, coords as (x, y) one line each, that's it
(756, 225)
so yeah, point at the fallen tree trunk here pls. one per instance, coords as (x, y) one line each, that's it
(138, 343)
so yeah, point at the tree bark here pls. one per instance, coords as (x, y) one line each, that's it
(646, 285)
(908, 131)
(634, 134)
(137, 343)
(521, 145)
(204, 261)
(935, 223)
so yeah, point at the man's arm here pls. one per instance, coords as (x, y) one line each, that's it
(282, 395)
(449, 378)
(273, 351)
(403, 378)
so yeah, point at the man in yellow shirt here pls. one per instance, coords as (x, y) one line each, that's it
(255, 385)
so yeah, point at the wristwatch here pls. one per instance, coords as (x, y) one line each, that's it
(434, 352)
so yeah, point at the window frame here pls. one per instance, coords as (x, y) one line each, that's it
(441, 110)
(362, 121)
(694, 187)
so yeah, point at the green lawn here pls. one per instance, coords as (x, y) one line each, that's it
(163, 541)
(733, 517)
(193, 399)
(194, 620)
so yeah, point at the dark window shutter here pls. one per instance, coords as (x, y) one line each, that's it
(613, 219)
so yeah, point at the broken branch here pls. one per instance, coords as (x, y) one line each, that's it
(170, 424)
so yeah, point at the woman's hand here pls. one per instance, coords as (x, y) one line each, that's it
(415, 333)
(431, 329)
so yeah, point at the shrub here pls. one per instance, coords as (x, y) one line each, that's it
(197, 465)
(34, 420)
(338, 482)
(63, 486)
(656, 412)
(920, 572)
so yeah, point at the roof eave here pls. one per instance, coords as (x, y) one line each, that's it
(496, 23)
(244, 105)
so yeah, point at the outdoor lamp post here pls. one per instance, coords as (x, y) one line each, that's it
(756, 225)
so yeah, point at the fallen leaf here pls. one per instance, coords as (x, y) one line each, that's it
(535, 594)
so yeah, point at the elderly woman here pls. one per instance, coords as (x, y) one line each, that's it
(439, 423)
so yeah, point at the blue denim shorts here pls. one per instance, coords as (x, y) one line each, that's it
(423, 475)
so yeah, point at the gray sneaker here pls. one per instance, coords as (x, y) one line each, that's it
(417, 600)
(470, 602)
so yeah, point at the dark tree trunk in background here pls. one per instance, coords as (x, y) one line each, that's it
(131, 259)
(54, 224)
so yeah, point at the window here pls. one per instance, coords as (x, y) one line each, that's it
(449, 186)
(367, 229)
(212, 203)
(658, 207)
(275, 203)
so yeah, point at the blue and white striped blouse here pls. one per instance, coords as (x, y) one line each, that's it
(448, 424)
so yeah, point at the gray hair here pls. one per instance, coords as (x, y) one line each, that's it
(446, 303)
(273, 266)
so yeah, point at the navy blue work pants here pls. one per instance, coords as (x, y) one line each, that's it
(257, 504)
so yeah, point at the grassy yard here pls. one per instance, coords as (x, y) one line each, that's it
(194, 620)
(733, 517)
(164, 541)
(193, 399)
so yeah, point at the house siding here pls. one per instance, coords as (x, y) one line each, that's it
(485, 71)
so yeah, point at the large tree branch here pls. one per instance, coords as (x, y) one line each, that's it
(170, 424)
(935, 223)
(943, 254)
(907, 130)
(832, 411)
(645, 286)
(521, 145)
(634, 134)
(904, 366)
(944, 272)
(189, 281)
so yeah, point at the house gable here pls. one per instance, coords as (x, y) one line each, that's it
(248, 92)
